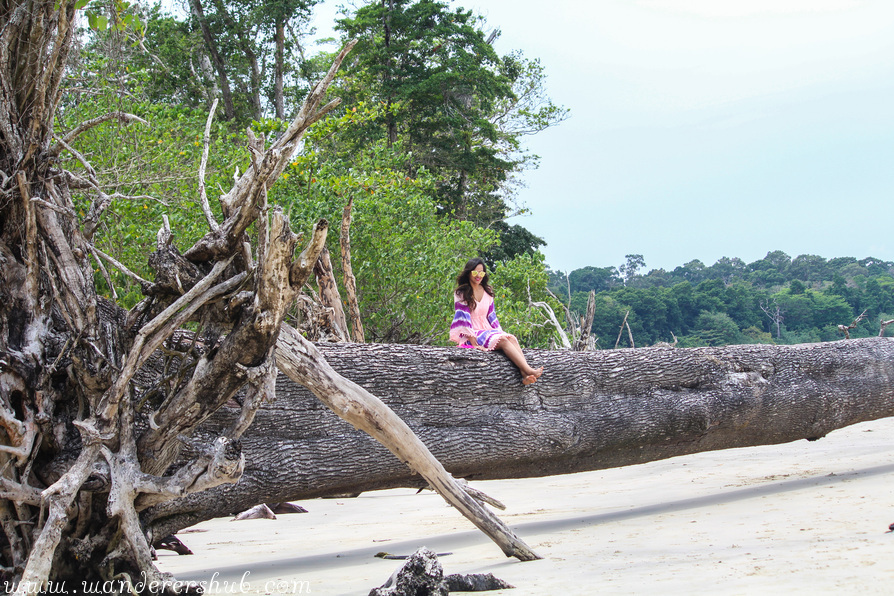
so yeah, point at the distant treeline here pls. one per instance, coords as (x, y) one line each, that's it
(776, 299)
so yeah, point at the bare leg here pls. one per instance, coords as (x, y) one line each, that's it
(513, 351)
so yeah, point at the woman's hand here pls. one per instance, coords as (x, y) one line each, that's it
(474, 342)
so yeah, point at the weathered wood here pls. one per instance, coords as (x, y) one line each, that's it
(584, 342)
(304, 364)
(344, 239)
(884, 324)
(330, 296)
(77, 433)
(589, 411)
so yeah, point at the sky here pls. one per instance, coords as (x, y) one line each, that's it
(706, 128)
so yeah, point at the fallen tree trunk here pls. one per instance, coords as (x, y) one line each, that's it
(589, 411)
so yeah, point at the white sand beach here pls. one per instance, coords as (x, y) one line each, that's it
(801, 518)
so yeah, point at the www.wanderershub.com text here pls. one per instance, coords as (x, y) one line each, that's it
(214, 585)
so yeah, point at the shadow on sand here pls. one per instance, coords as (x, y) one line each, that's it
(526, 530)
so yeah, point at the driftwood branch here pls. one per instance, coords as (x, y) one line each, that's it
(621, 330)
(58, 499)
(330, 298)
(583, 342)
(153, 333)
(242, 354)
(119, 266)
(560, 331)
(357, 333)
(884, 324)
(304, 364)
(122, 117)
(845, 328)
(241, 204)
(203, 193)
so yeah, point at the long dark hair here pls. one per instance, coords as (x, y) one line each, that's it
(464, 285)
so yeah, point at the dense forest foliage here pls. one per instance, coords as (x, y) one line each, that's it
(427, 148)
(776, 299)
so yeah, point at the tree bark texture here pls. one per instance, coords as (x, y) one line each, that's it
(222, 78)
(589, 411)
(344, 239)
(330, 296)
(279, 104)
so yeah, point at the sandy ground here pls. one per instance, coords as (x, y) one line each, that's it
(801, 518)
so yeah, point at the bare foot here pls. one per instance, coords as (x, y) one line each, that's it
(531, 378)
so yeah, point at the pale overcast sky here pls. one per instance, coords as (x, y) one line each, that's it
(708, 128)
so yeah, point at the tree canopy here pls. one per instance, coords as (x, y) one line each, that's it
(733, 302)
(411, 228)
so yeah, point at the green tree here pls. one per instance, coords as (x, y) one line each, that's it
(693, 271)
(405, 255)
(715, 329)
(811, 268)
(438, 79)
(514, 241)
(594, 278)
(631, 267)
(726, 269)
(769, 271)
(448, 99)
(250, 53)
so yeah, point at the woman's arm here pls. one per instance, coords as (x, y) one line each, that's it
(461, 327)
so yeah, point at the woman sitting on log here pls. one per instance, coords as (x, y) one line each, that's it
(475, 323)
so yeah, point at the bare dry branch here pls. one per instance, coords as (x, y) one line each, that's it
(59, 497)
(153, 333)
(330, 298)
(303, 266)
(240, 204)
(560, 331)
(479, 495)
(621, 330)
(350, 281)
(775, 315)
(20, 433)
(46, 204)
(14, 491)
(218, 465)
(884, 325)
(262, 388)
(301, 362)
(122, 117)
(119, 266)
(91, 172)
(845, 328)
(206, 144)
(583, 341)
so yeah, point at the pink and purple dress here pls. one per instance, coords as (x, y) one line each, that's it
(482, 321)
